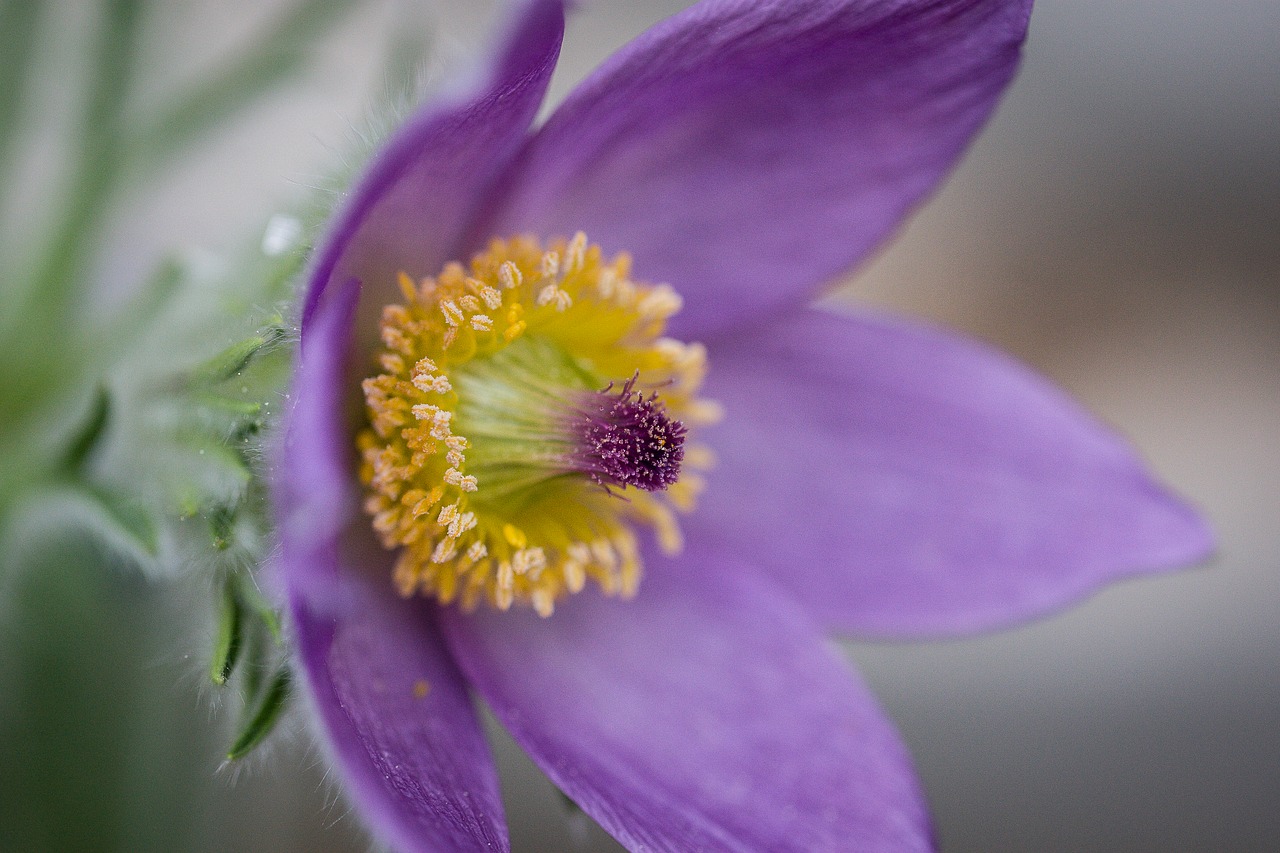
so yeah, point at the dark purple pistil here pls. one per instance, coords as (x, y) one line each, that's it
(630, 441)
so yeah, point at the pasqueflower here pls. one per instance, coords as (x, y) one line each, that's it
(504, 343)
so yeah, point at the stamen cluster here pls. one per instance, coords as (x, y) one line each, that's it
(489, 438)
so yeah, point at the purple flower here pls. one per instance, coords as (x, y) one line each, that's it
(874, 477)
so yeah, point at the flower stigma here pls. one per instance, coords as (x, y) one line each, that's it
(528, 416)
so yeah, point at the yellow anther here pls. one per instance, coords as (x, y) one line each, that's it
(603, 551)
(607, 284)
(509, 275)
(407, 287)
(514, 535)
(440, 425)
(396, 340)
(660, 303)
(436, 384)
(528, 561)
(460, 525)
(452, 313)
(550, 267)
(506, 583)
(670, 539)
(504, 596)
(424, 506)
(515, 324)
(575, 575)
(553, 295)
(444, 551)
(575, 253)
(464, 482)
(544, 602)
(704, 413)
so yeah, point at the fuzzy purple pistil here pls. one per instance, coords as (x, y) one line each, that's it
(629, 440)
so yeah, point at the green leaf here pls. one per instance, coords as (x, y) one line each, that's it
(230, 361)
(206, 474)
(81, 214)
(235, 358)
(226, 649)
(120, 527)
(230, 406)
(222, 519)
(90, 432)
(274, 700)
(253, 597)
(124, 522)
(18, 38)
(276, 55)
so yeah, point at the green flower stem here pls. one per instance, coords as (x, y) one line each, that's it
(18, 22)
(38, 341)
(59, 276)
(276, 55)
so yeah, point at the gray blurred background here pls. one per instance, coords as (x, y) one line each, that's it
(1116, 227)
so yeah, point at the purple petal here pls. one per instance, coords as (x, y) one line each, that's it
(748, 152)
(899, 480)
(399, 722)
(312, 480)
(707, 714)
(393, 708)
(412, 206)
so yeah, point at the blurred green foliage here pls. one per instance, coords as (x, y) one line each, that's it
(96, 753)
(132, 504)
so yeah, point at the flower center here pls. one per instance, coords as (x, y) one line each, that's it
(528, 416)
